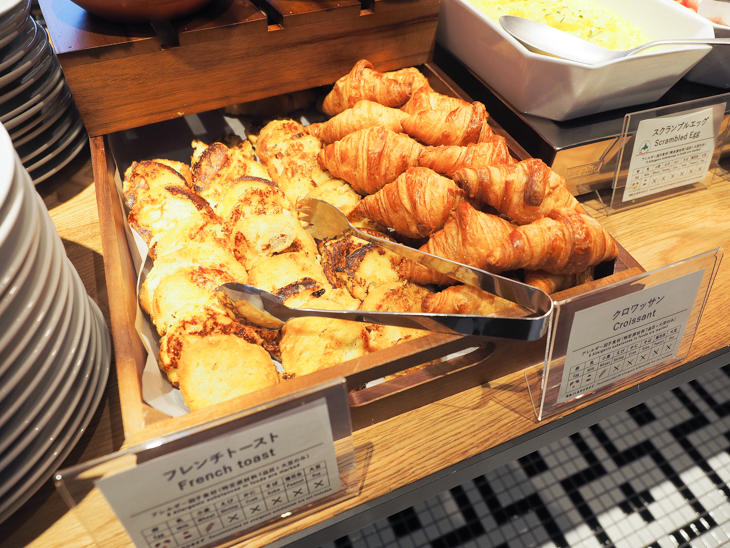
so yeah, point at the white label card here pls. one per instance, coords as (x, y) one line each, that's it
(210, 491)
(670, 152)
(618, 338)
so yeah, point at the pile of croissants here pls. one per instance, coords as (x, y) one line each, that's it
(430, 166)
(403, 161)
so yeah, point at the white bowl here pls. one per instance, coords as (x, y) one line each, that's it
(714, 68)
(560, 90)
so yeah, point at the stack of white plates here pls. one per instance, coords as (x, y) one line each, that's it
(35, 103)
(54, 344)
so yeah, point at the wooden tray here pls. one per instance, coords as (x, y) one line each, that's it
(126, 76)
(435, 379)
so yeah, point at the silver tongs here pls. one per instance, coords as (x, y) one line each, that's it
(268, 310)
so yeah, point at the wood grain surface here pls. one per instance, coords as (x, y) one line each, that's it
(299, 45)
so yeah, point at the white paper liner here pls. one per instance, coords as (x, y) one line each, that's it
(156, 389)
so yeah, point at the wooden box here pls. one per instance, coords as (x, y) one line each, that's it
(233, 51)
(404, 392)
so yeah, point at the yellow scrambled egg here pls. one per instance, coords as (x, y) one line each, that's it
(586, 19)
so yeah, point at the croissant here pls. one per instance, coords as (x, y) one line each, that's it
(370, 158)
(523, 192)
(363, 114)
(363, 82)
(426, 98)
(460, 126)
(410, 76)
(550, 283)
(465, 299)
(564, 242)
(446, 159)
(415, 205)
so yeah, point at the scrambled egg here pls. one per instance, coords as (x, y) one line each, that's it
(586, 19)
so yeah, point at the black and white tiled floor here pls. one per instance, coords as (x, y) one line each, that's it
(656, 475)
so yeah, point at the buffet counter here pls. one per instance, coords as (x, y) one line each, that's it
(423, 451)
(419, 449)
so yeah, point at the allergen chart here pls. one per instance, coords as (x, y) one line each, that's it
(621, 337)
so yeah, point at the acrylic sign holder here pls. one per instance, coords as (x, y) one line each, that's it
(224, 480)
(619, 336)
(668, 150)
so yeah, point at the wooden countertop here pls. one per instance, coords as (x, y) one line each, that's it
(398, 452)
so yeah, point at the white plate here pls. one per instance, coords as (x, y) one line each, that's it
(61, 161)
(559, 89)
(31, 57)
(13, 51)
(11, 10)
(10, 211)
(10, 7)
(104, 334)
(42, 121)
(34, 94)
(12, 22)
(29, 398)
(36, 73)
(45, 139)
(56, 430)
(65, 141)
(37, 408)
(16, 253)
(39, 102)
(28, 295)
(7, 166)
(78, 395)
(39, 117)
(714, 69)
(41, 311)
(55, 457)
(57, 117)
(19, 254)
(73, 376)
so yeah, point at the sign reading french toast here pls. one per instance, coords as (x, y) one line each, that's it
(211, 491)
(618, 338)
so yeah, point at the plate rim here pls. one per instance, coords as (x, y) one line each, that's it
(55, 168)
(25, 64)
(64, 142)
(45, 85)
(19, 49)
(65, 124)
(24, 491)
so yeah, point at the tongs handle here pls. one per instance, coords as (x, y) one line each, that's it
(532, 298)
(275, 313)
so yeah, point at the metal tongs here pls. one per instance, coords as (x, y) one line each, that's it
(268, 310)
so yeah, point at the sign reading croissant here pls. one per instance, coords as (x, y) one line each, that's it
(401, 160)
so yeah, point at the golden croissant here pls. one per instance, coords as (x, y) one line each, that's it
(465, 299)
(550, 283)
(564, 242)
(426, 98)
(370, 158)
(523, 192)
(410, 76)
(446, 159)
(415, 205)
(363, 114)
(363, 82)
(460, 126)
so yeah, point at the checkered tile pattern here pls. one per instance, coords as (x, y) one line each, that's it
(654, 476)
